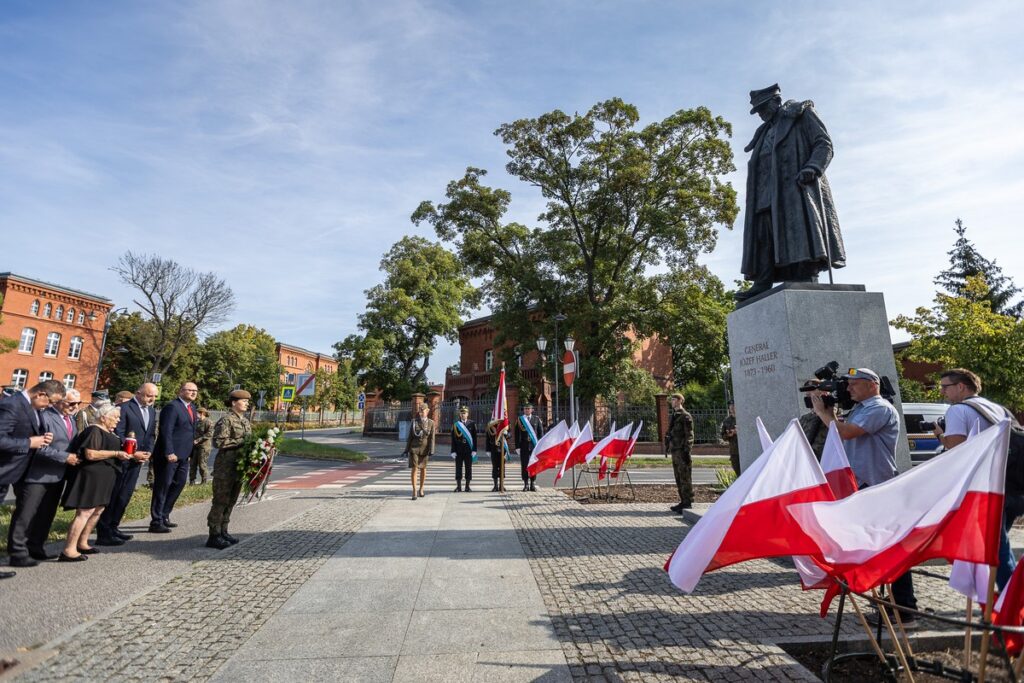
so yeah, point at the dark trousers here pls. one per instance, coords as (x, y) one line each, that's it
(33, 515)
(682, 468)
(124, 488)
(524, 462)
(496, 461)
(169, 479)
(463, 461)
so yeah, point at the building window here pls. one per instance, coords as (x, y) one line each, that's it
(309, 367)
(75, 348)
(52, 344)
(28, 340)
(35, 307)
(45, 376)
(488, 360)
(69, 381)
(48, 310)
(81, 317)
(19, 378)
(60, 312)
(71, 315)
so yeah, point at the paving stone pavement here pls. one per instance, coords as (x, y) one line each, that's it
(187, 628)
(618, 618)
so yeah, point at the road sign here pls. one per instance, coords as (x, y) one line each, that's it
(569, 367)
(306, 384)
(361, 401)
(157, 376)
(287, 393)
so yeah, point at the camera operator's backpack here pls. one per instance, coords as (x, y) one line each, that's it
(1015, 456)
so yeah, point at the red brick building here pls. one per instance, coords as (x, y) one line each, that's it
(295, 360)
(59, 331)
(478, 357)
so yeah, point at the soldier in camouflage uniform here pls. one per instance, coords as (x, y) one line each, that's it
(229, 434)
(201, 448)
(678, 442)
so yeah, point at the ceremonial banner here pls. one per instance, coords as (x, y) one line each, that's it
(550, 451)
(500, 411)
(950, 507)
(750, 519)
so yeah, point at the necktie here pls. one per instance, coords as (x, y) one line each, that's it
(145, 416)
(191, 415)
(39, 420)
(67, 425)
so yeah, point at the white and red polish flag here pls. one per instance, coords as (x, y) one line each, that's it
(836, 465)
(550, 449)
(578, 451)
(500, 411)
(950, 507)
(629, 451)
(751, 519)
(611, 446)
(968, 578)
(1009, 610)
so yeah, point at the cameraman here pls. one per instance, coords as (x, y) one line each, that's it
(960, 388)
(870, 433)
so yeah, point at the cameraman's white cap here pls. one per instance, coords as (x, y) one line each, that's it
(863, 373)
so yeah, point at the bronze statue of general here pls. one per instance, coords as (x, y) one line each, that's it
(790, 228)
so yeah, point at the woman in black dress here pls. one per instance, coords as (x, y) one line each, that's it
(99, 450)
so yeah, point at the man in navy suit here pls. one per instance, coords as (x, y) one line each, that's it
(138, 417)
(43, 482)
(22, 432)
(170, 457)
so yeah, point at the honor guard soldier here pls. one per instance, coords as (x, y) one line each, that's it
(463, 447)
(528, 432)
(494, 450)
(229, 436)
(203, 445)
(678, 442)
(420, 446)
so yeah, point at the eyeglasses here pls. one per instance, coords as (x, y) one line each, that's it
(73, 403)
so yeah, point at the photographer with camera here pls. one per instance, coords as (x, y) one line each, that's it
(960, 387)
(869, 432)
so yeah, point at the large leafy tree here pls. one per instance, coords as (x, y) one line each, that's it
(245, 356)
(127, 362)
(336, 390)
(694, 305)
(965, 262)
(620, 200)
(964, 331)
(425, 294)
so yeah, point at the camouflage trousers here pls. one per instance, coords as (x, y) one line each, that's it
(199, 461)
(227, 484)
(682, 468)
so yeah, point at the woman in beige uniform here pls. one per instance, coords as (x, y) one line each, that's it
(420, 447)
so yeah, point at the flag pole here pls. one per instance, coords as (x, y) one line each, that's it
(987, 619)
(867, 629)
(883, 614)
(967, 634)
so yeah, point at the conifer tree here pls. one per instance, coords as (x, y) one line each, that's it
(966, 262)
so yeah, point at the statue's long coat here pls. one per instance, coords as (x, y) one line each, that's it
(801, 215)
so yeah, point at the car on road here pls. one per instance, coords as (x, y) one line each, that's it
(923, 443)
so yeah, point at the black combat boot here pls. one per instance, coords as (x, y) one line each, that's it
(458, 486)
(533, 486)
(495, 487)
(218, 542)
(468, 490)
(228, 537)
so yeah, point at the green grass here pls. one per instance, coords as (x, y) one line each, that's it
(318, 451)
(138, 508)
(641, 462)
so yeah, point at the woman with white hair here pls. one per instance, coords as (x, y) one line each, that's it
(99, 450)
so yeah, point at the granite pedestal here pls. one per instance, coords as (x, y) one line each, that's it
(779, 338)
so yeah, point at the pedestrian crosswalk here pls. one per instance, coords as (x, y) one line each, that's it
(440, 477)
(335, 477)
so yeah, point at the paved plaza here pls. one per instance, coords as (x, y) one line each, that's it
(364, 584)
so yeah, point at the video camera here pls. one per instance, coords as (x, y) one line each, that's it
(925, 426)
(838, 387)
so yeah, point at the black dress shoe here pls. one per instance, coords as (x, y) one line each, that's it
(122, 535)
(217, 542)
(526, 487)
(458, 489)
(8, 575)
(88, 551)
(41, 555)
(67, 558)
(158, 529)
(468, 490)
(170, 525)
(533, 487)
(494, 488)
(676, 508)
(109, 540)
(23, 562)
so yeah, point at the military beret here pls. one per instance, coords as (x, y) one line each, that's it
(101, 394)
(239, 394)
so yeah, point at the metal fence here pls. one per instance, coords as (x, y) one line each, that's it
(310, 419)
(386, 418)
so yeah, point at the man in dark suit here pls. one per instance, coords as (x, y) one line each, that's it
(43, 482)
(138, 418)
(21, 433)
(170, 457)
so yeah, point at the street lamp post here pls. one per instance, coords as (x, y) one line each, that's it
(103, 344)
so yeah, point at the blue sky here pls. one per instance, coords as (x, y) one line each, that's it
(285, 144)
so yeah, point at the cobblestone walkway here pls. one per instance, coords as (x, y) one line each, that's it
(618, 618)
(187, 628)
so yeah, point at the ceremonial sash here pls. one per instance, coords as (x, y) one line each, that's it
(465, 433)
(529, 429)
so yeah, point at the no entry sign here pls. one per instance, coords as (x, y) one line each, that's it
(569, 367)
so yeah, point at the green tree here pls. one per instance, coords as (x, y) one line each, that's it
(6, 344)
(425, 293)
(694, 306)
(619, 200)
(244, 355)
(965, 262)
(963, 331)
(127, 362)
(336, 390)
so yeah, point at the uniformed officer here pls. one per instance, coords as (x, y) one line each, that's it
(678, 442)
(528, 431)
(229, 436)
(420, 446)
(201, 450)
(463, 447)
(494, 449)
